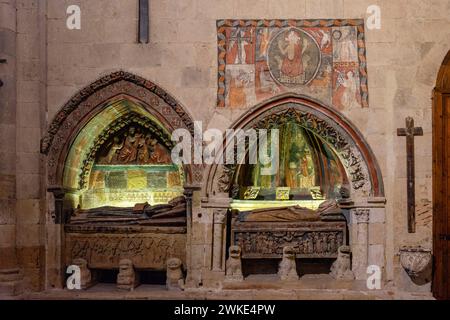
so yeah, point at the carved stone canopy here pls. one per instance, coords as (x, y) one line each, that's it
(329, 125)
(91, 100)
(351, 158)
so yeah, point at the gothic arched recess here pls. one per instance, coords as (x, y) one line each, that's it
(134, 94)
(332, 127)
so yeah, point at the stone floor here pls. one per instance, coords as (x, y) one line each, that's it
(258, 287)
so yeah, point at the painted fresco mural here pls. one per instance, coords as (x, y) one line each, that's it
(323, 59)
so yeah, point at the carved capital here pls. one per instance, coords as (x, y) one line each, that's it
(361, 215)
(58, 195)
(220, 216)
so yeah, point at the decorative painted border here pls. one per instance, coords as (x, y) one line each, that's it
(221, 46)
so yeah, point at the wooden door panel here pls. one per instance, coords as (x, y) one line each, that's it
(441, 193)
(445, 214)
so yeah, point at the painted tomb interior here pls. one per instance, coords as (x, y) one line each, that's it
(128, 162)
(308, 172)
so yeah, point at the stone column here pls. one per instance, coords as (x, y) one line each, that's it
(188, 194)
(220, 216)
(360, 245)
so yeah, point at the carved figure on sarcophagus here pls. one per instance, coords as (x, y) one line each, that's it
(234, 265)
(287, 269)
(341, 268)
(86, 280)
(127, 279)
(174, 274)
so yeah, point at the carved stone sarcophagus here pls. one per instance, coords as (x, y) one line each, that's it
(313, 234)
(146, 235)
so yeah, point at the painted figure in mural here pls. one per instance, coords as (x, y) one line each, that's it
(346, 95)
(300, 170)
(264, 36)
(344, 45)
(293, 57)
(239, 47)
(237, 96)
(291, 48)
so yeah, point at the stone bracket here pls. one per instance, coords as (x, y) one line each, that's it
(61, 217)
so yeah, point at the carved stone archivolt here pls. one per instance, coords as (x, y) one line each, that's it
(90, 100)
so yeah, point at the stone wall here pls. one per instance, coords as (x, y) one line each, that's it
(8, 134)
(53, 63)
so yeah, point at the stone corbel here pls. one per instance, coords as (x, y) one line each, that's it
(58, 194)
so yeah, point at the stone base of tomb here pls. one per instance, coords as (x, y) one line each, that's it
(148, 247)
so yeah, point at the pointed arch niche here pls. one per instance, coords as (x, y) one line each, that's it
(81, 131)
(331, 128)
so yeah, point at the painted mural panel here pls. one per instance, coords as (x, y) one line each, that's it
(323, 59)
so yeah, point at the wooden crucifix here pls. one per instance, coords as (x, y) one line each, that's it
(2, 61)
(143, 32)
(410, 132)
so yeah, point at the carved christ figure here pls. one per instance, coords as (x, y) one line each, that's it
(292, 50)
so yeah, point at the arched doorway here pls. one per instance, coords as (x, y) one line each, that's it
(441, 191)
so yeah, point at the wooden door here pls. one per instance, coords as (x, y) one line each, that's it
(441, 183)
(441, 194)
